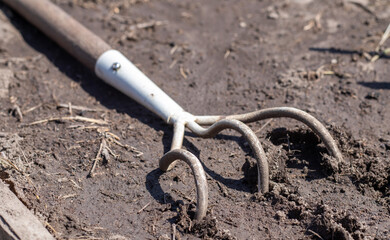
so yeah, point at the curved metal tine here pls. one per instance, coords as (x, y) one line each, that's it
(177, 140)
(249, 135)
(280, 112)
(178, 135)
(199, 176)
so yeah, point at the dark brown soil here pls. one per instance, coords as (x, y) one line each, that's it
(212, 57)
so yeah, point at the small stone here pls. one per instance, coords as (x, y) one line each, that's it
(243, 24)
(272, 12)
(280, 215)
(273, 15)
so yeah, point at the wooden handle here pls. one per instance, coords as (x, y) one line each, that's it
(62, 28)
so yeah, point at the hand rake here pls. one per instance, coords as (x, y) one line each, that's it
(116, 70)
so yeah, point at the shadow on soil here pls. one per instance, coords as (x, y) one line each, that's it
(236, 184)
(154, 188)
(303, 149)
(300, 145)
(376, 85)
(344, 51)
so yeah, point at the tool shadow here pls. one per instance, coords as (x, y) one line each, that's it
(120, 103)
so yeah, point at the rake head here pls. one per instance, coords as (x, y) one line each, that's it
(209, 126)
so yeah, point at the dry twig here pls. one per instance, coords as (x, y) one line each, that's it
(113, 135)
(18, 112)
(314, 23)
(173, 64)
(32, 109)
(75, 184)
(144, 207)
(316, 234)
(97, 158)
(132, 149)
(385, 36)
(70, 109)
(364, 7)
(262, 127)
(4, 159)
(11, 164)
(174, 231)
(75, 118)
(50, 227)
(183, 73)
(80, 108)
(68, 196)
(20, 59)
(144, 25)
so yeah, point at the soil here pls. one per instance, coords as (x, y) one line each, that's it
(212, 57)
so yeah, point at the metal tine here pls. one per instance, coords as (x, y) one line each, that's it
(199, 176)
(249, 135)
(168, 160)
(282, 112)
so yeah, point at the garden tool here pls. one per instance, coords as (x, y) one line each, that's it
(116, 70)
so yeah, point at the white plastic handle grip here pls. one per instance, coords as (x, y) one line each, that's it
(115, 69)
